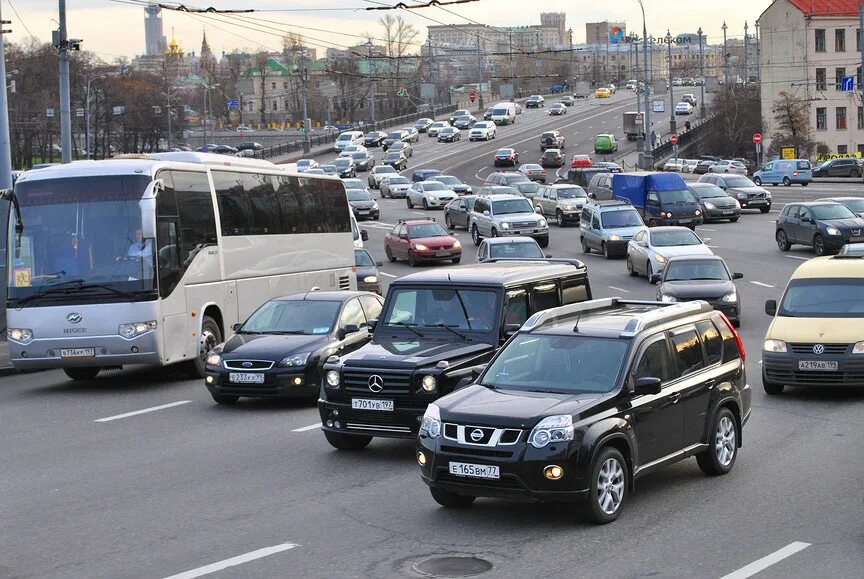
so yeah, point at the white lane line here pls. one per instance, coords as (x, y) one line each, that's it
(307, 428)
(759, 283)
(705, 228)
(796, 257)
(418, 213)
(143, 411)
(714, 246)
(620, 289)
(233, 561)
(387, 274)
(765, 562)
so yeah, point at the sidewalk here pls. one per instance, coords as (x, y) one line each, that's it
(6, 368)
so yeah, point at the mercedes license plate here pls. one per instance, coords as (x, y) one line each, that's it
(246, 377)
(475, 470)
(823, 365)
(77, 352)
(367, 404)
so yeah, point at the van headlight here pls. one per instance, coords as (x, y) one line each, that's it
(858, 348)
(20, 335)
(774, 346)
(730, 297)
(614, 237)
(135, 329)
(332, 379)
(431, 424)
(830, 230)
(558, 428)
(505, 225)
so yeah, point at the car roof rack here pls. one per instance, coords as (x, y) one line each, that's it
(665, 312)
(567, 261)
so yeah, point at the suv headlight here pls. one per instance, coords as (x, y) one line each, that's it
(135, 329)
(774, 346)
(558, 428)
(542, 223)
(730, 297)
(332, 379)
(429, 383)
(614, 237)
(294, 360)
(567, 208)
(431, 423)
(505, 225)
(20, 335)
(830, 230)
(667, 298)
(709, 205)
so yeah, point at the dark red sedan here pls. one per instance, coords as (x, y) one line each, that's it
(421, 240)
(506, 157)
(580, 162)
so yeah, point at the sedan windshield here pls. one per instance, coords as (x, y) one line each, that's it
(824, 298)
(832, 212)
(383, 169)
(520, 249)
(362, 258)
(516, 178)
(426, 230)
(393, 156)
(342, 162)
(571, 193)
(447, 180)
(358, 156)
(708, 191)
(696, 270)
(674, 237)
(354, 183)
(429, 308)
(292, 317)
(398, 181)
(510, 206)
(738, 181)
(395, 135)
(560, 364)
(618, 219)
(358, 195)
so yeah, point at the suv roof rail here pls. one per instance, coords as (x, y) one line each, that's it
(668, 313)
(578, 308)
(417, 219)
(568, 261)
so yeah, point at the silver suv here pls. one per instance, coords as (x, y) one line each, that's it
(562, 201)
(507, 215)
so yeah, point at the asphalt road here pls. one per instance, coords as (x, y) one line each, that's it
(189, 485)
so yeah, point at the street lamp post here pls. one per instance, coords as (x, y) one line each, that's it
(672, 125)
(90, 79)
(746, 73)
(307, 144)
(701, 75)
(725, 58)
(640, 131)
(647, 160)
(207, 89)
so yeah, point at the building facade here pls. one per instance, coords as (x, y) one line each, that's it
(598, 32)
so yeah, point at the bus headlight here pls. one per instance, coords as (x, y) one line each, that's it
(333, 379)
(429, 383)
(20, 335)
(135, 329)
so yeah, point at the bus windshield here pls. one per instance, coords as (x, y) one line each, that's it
(81, 231)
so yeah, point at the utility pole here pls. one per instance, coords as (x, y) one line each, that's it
(168, 110)
(207, 89)
(861, 46)
(725, 58)
(374, 86)
(512, 67)
(701, 75)
(570, 71)
(63, 46)
(5, 143)
(307, 144)
(746, 74)
(647, 153)
(759, 50)
(640, 132)
(479, 76)
(672, 125)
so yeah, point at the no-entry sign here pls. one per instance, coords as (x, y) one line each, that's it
(472, 96)
(757, 138)
(674, 139)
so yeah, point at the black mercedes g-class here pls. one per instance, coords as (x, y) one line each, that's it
(436, 327)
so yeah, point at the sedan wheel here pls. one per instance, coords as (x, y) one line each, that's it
(425, 204)
(447, 221)
(630, 270)
(649, 270)
(410, 203)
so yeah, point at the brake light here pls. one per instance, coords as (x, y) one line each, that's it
(735, 333)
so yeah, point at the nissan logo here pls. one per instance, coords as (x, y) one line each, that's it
(73, 318)
(376, 383)
(818, 349)
(856, 232)
(476, 435)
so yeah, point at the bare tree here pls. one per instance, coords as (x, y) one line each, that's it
(792, 124)
(399, 37)
(737, 115)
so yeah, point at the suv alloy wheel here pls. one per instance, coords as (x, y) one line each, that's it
(475, 235)
(608, 486)
(722, 450)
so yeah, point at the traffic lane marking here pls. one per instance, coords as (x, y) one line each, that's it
(384, 273)
(620, 289)
(767, 561)
(311, 426)
(233, 561)
(759, 283)
(797, 257)
(142, 411)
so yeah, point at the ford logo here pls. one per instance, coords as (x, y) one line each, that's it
(818, 349)
(247, 364)
(73, 318)
(476, 435)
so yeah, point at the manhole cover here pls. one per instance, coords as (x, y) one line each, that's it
(452, 566)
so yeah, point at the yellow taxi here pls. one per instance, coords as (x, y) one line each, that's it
(816, 338)
(602, 93)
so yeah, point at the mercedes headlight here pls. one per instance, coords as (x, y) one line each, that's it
(709, 205)
(370, 279)
(332, 379)
(431, 423)
(429, 383)
(20, 335)
(660, 258)
(294, 361)
(730, 297)
(213, 359)
(774, 346)
(831, 230)
(557, 428)
(667, 298)
(505, 225)
(135, 329)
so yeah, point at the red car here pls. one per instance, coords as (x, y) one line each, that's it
(421, 240)
(580, 162)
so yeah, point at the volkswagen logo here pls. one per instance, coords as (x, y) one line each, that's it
(376, 383)
(818, 349)
(476, 435)
(73, 318)
(247, 364)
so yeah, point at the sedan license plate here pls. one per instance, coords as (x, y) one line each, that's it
(685, 221)
(817, 365)
(246, 377)
(442, 254)
(77, 352)
(367, 404)
(728, 212)
(475, 470)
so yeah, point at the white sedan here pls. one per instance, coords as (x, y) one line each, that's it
(728, 167)
(650, 249)
(683, 109)
(429, 194)
(380, 172)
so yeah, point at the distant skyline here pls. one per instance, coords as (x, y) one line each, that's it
(116, 28)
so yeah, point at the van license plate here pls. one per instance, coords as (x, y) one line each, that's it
(475, 470)
(77, 352)
(376, 405)
(823, 365)
(246, 377)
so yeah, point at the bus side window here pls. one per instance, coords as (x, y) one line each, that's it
(234, 209)
(197, 217)
(262, 201)
(167, 226)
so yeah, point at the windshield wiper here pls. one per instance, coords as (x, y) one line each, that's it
(408, 326)
(449, 328)
(292, 332)
(113, 290)
(59, 287)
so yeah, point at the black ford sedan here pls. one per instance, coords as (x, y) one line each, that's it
(279, 351)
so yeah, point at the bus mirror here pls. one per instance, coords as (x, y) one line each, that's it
(148, 208)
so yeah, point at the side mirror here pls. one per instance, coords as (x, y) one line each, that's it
(364, 235)
(647, 385)
(547, 255)
(538, 210)
(379, 264)
(486, 213)
(476, 371)
(236, 327)
(706, 240)
(771, 307)
(403, 236)
(372, 324)
(511, 329)
(737, 275)
(655, 278)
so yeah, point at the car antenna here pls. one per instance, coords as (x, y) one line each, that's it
(576, 327)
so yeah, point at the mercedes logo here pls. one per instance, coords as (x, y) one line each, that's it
(818, 349)
(73, 318)
(376, 383)
(476, 435)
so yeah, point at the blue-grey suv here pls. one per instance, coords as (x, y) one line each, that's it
(607, 226)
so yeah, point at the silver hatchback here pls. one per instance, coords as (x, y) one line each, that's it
(507, 215)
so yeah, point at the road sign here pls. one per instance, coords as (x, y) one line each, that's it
(787, 152)
(674, 139)
(659, 106)
(79, 112)
(847, 83)
(232, 103)
(757, 138)
(49, 112)
(472, 96)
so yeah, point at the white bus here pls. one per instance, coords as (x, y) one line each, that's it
(153, 259)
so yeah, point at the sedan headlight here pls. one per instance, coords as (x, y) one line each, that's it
(737, 205)
(374, 206)
(660, 258)
(505, 225)
(135, 329)
(431, 424)
(429, 383)
(567, 208)
(774, 346)
(20, 335)
(294, 361)
(433, 198)
(667, 298)
(469, 189)
(332, 380)
(730, 297)
(742, 196)
(830, 230)
(370, 279)
(542, 223)
(457, 245)
(213, 359)
(557, 428)
(614, 237)
(420, 247)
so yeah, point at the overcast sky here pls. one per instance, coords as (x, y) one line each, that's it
(116, 28)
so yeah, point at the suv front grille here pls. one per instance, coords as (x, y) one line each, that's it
(829, 348)
(525, 224)
(396, 383)
(479, 436)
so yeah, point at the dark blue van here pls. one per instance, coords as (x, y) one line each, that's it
(661, 198)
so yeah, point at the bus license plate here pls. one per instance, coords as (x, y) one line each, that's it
(246, 377)
(77, 352)
(367, 404)
(823, 365)
(475, 470)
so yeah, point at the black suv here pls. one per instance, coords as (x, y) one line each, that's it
(827, 226)
(436, 326)
(586, 398)
(552, 140)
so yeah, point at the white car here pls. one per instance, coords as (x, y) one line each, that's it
(650, 249)
(728, 167)
(674, 165)
(689, 165)
(304, 165)
(429, 194)
(346, 139)
(380, 172)
(482, 130)
(395, 186)
(436, 128)
(683, 109)
(517, 247)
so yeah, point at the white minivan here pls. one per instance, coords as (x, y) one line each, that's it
(504, 113)
(348, 138)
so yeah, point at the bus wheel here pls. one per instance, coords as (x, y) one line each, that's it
(82, 373)
(210, 337)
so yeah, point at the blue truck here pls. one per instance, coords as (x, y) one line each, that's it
(661, 198)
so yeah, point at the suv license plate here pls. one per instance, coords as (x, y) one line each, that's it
(246, 377)
(823, 365)
(475, 470)
(77, 352)
(367, 404)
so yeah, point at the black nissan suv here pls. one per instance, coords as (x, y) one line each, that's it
(436, 327)
(586, 398)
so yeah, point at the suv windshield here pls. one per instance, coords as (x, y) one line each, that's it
(292, 317)
(520, 249)
(855, 205)
(618, 219)
(565, 364)
(398, 181)
(677, 196)
(738, 181)
(832, 212)
(509, 206)
(670, 238)
(426, 230)
(424, 307)
(824, 298)
(696, 270)
(571, 193)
